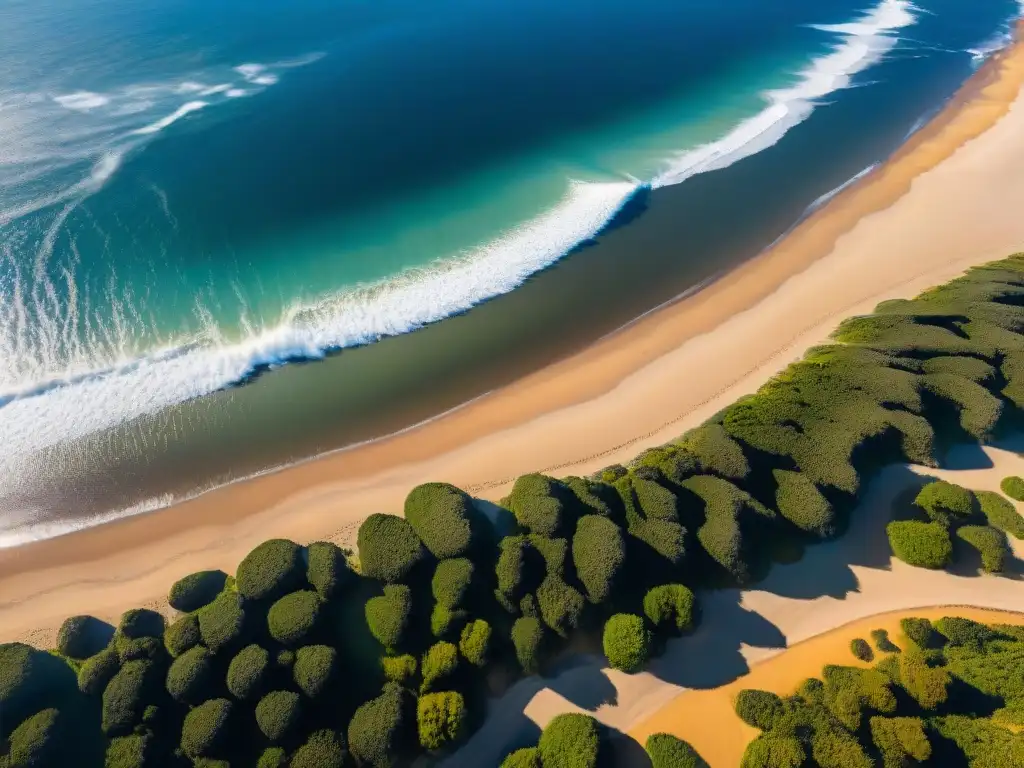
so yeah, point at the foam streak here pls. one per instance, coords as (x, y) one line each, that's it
(864, 43)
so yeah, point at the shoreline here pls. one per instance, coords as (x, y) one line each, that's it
(632, 389)
(722, 737)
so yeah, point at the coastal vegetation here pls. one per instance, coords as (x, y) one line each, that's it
(948, 512)
(953, 695)
(312, 655)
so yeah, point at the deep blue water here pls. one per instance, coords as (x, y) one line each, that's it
(193, 192)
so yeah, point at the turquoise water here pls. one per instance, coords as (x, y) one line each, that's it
(193, 193)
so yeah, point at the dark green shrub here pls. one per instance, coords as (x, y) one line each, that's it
(205, 729)
(732, 516)
(760, 709)
(662, 536)
(880, 637)
(140, 622)
(387, 616)
(920, 631)
(812, 691)
(446, 622)
(247, 672)
(900, 740)
(441, 718)
(292, 618)
(528, 757)
(991, 544)
(611, 473)
(271, 570)
(97, 671)
(388, 548)
(561, 606)
(452, 581)
(190, 676)
(182, 635)
(399, 669)
(382, 731)
(475, 642)
(439, 664)
(277, 713)
(81, 637)
(667, 751)
(285, 659)
(656, 501)
(860, 688)
(960, 631)
(130, 690)
(196, 590)
(139, 648)
(671, 607)
(30, 680)
(128, 752)
(772, 751)
(528, 639)
(945, 502)
(520, 567)
(598, 551)
(927, 685)
(323, 749)
(537, 504)
(440, 514)
(314, 668)
(716, 452)
(799, 501)
(1013, 487)
(570, 741)
(37, 741)
(627, 642)
(592, 497)
(274, 757)
(1000, 513)
(327, 569)
(860, 648)
(923, 545)
(835, 748)
(222, 621)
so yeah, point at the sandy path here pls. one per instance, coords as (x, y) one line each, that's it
(949, 199)
(835, 583)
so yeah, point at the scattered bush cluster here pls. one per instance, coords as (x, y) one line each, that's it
(567, 741)
(980, 520)
(902, 712)
(388, 660)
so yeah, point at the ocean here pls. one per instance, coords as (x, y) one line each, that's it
(235, 236)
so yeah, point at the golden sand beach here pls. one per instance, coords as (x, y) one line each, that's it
(950, 198)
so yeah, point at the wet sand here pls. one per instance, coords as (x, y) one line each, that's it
(948, 199)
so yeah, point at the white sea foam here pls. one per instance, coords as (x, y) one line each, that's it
(82, 101)
(25, 531)
(864, 43)
(55, 412)
(175, 116)
(215, 89)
